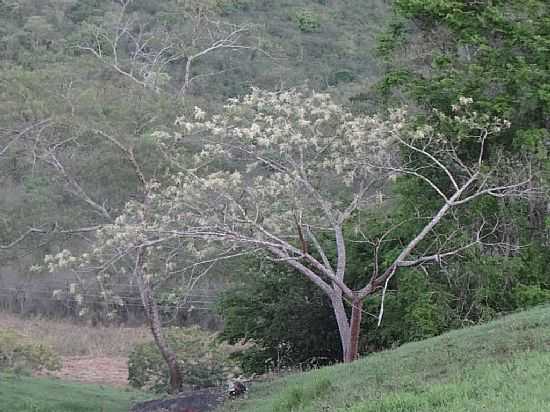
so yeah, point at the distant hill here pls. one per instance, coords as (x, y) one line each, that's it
(325, 42)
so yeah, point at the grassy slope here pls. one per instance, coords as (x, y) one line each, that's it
(24, 394)
(500, 366)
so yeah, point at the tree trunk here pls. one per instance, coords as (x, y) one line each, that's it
(350, 330)
(176, 380)
(342, 321)
(153, 317)
(356, 315)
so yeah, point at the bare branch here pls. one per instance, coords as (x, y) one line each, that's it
(319, 249)
(130, 156)
(50, 230)
(23, 132)
(141, 55)
(325, 287)
(22, 237)
(431, 157)
(73, 186)
(516, 189)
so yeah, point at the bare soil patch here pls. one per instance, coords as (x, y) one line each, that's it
(203, 400)
(90, 354)
(111, 371)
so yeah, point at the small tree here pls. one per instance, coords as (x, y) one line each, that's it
(143, 52)
(105, 263)
(280, 174)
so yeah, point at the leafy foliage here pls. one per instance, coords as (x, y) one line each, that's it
(496, 53)
(289, 320)
(203, 360)
(307, 21)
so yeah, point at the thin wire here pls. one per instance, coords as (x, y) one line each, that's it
(49, 291)
(191, 304)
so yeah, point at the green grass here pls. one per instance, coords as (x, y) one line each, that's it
(500, 366)
(25, 394)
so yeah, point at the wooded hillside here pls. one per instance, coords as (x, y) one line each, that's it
(83, 81)
(327, 167)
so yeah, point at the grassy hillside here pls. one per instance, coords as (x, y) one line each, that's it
(23, 394)
(500, 366)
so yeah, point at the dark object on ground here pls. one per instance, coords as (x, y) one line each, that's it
(237, 390)
(203, 400)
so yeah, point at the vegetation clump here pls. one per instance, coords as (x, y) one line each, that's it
(19, 355)
(203, 360)
(308, 21)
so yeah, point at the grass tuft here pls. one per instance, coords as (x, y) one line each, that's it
(300, 396)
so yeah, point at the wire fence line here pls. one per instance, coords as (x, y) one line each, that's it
(194, 301)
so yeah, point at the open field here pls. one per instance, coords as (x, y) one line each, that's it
(89, 354)
(71, 339)
(500, 366)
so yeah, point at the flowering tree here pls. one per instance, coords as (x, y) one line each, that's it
(280, 173)
(105, 264)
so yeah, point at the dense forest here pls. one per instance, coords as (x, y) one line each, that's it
(110, 110)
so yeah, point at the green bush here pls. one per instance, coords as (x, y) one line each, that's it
(285, 314)
(19, 355)
(341, 76)
(530, 295)
(203, 360)
(308, 21)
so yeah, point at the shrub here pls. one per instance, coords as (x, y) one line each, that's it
(341, 76)
(530, 295)
(204, 361)
(308, 22)
(289, 319)
(19, 355)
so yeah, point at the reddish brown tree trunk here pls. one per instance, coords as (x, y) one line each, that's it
(355, 324)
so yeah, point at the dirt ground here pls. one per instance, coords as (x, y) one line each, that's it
(89, 354)
(112, 371)
(204, 400)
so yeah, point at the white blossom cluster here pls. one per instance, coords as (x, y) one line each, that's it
(270, 158)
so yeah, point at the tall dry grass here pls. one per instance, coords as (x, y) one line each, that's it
(71, 339)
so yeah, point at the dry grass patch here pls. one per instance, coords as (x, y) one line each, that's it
(92, 369)
(71, 339)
